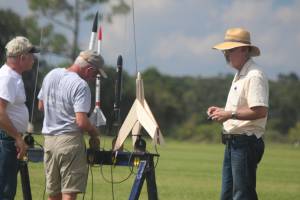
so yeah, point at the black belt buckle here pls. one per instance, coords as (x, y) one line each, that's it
(228, 137)
(223, 137)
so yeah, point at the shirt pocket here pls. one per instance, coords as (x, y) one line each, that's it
(20, 96)
(235, 95)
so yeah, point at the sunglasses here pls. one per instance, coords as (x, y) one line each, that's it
(228, 51)
(93, 69)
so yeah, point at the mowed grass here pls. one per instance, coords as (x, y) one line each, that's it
(188, 171)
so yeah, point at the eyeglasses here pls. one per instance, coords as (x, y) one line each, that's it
(94, 70)
(228, 51)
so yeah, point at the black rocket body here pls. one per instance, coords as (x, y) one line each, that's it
(118, 90)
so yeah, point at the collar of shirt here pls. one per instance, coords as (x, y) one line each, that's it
(12, 72)
(243, 71)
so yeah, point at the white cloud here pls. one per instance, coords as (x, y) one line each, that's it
(288, 14)
(20, 7)
(246, 12)
(151, 6)
(178, 45)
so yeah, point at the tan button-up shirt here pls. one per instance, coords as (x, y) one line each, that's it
(249, 89)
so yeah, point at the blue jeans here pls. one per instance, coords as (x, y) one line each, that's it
(8, 168)
(242, 154)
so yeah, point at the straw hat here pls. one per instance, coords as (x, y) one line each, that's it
(237, 37)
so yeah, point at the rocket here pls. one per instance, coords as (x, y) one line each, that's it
(97, 117)
(94, 33)
(93, 39)
(118, 90)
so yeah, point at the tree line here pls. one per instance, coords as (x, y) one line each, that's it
(179, 104)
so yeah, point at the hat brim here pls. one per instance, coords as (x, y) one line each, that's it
(102, 73)
(254, 51)
(34, 49)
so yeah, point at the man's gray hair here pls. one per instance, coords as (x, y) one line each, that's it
(81, 62)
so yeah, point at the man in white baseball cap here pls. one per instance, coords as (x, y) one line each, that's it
(13, 111)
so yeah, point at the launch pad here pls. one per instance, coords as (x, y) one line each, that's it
(142, 160)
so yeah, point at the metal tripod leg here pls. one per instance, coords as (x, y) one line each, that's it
(151, 183)
(149, 174)
(25, 180)
(138, 182)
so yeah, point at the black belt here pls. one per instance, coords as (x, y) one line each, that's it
(232, 137)
(5, 136)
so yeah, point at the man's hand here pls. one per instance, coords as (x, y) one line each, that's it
(21, 147)
(213, 109)
(221, 115)
(94, 142)
(218, 114)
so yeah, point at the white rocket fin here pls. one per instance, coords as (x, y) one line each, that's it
(127, 126)
(97, 117)
(158, 137)
(146, 120)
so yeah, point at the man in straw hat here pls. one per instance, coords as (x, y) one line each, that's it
(13, 112)
(65, 98)
(244, 117)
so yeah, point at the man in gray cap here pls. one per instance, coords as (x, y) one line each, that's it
(13, 112)
(65, 98)
(244, 117)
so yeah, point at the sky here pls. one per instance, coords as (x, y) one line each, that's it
(177, 36)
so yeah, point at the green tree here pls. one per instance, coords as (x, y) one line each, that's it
(68, 15)
(284, 102)
(294, 134)
(10, 25)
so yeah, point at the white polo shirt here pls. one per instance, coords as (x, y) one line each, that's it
(12, 90)
(249, 89)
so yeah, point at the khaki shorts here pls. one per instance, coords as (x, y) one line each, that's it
(65, 163)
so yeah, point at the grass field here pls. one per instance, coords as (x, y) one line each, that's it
(190, 171)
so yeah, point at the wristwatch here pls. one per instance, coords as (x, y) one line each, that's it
(233, 115)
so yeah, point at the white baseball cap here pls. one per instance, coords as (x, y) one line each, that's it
(20, 45)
